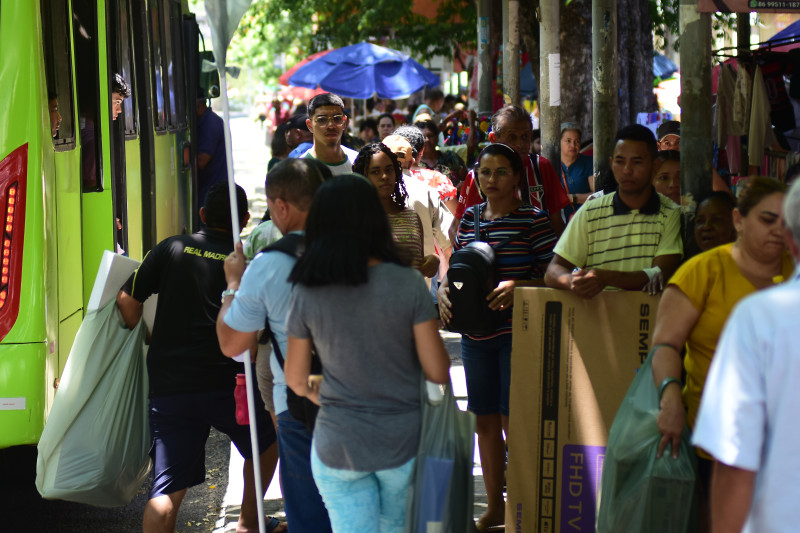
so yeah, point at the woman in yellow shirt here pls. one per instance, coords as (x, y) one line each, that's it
(701, 295)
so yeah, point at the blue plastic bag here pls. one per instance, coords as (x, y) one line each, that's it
(94, 448)
(441, 494)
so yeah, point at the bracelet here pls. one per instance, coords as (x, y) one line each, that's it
(664, 384)
(652, 271)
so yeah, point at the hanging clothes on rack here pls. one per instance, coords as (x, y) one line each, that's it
(740, 113)
(760, 135)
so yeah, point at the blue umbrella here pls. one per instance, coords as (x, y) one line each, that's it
(663, 67)
(364, 69)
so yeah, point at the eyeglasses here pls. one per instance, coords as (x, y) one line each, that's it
(324, 120)
(500, 173)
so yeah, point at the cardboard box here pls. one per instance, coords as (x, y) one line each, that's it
(572, 362)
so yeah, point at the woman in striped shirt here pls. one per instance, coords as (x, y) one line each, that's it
(487, 360)
(381, 167)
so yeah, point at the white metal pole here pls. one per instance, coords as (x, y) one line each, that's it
(251, 404)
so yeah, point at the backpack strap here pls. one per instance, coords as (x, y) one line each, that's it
(477, 226)
(293, 245)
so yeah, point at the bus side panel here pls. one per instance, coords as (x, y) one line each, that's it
(133, 182)
(68, 229)
(168, 213)
(24, 120)
(22, 414)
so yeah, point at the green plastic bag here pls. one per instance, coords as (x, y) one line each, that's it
(94, 447)
(638, 492)
(441, 495)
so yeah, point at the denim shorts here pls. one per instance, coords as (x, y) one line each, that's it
(179, 427)
(487, 367)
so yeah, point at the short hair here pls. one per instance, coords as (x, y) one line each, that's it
(296, 180)
(386, 115)
(369, 123)
(427, 125)
(723, 197)
(759, 188)
(218, 206)
(120, 86)
(791, 211)
(507, 152)
(361, 164)
(278, 145)
(322, 100)
(668, 155)
(638, 133)
(346, 226)
(507, 114)
(413, 134)
(537, 134)
(570, 126)
(434, 94)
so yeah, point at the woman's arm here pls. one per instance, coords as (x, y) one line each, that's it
(297, 369)
(431, 352)
(443, 296)
(674, 322)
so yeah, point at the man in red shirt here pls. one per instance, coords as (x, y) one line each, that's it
(511, 125)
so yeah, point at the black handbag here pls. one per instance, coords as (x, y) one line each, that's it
(471, 277)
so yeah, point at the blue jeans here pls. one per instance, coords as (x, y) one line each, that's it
(305, 511)
(361, 502)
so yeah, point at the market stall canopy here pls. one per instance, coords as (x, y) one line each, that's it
(284, 79)
(364, 69)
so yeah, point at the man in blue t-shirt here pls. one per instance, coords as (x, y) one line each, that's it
(212, 166)
(260, 294)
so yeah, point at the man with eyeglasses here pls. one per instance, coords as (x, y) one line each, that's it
(327, 123)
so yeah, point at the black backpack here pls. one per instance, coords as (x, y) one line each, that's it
(302, 409)
(471, 277)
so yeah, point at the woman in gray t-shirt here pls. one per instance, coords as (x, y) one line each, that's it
(371, 322)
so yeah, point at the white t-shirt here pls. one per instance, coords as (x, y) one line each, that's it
(343, 167)
(749, 412)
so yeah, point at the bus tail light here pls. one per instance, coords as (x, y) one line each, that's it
(13, 178)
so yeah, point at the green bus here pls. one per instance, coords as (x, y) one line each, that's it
(97, 182)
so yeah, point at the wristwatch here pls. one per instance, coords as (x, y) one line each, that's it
(227, 292)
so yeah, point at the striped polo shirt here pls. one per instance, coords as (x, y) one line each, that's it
(606, 233)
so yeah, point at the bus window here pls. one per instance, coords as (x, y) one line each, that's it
(58, 69)
(125, 62)
(84, 29)
(160, 116)
(177, 80)
(168, 57)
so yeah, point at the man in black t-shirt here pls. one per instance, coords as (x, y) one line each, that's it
(191, 382)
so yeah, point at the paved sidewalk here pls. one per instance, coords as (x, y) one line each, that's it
(273, 503)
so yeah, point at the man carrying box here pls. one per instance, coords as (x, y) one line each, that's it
(629, 239)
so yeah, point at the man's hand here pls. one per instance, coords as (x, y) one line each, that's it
(502, 297)
(655, 285)
(234, 265)
(430, 266)
(586, 283)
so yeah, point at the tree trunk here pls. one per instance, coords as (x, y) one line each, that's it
(576, 65)
(635, 54)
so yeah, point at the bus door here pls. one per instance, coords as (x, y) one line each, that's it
(63, 181)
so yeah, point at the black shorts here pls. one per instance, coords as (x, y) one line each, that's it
(179, 427)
